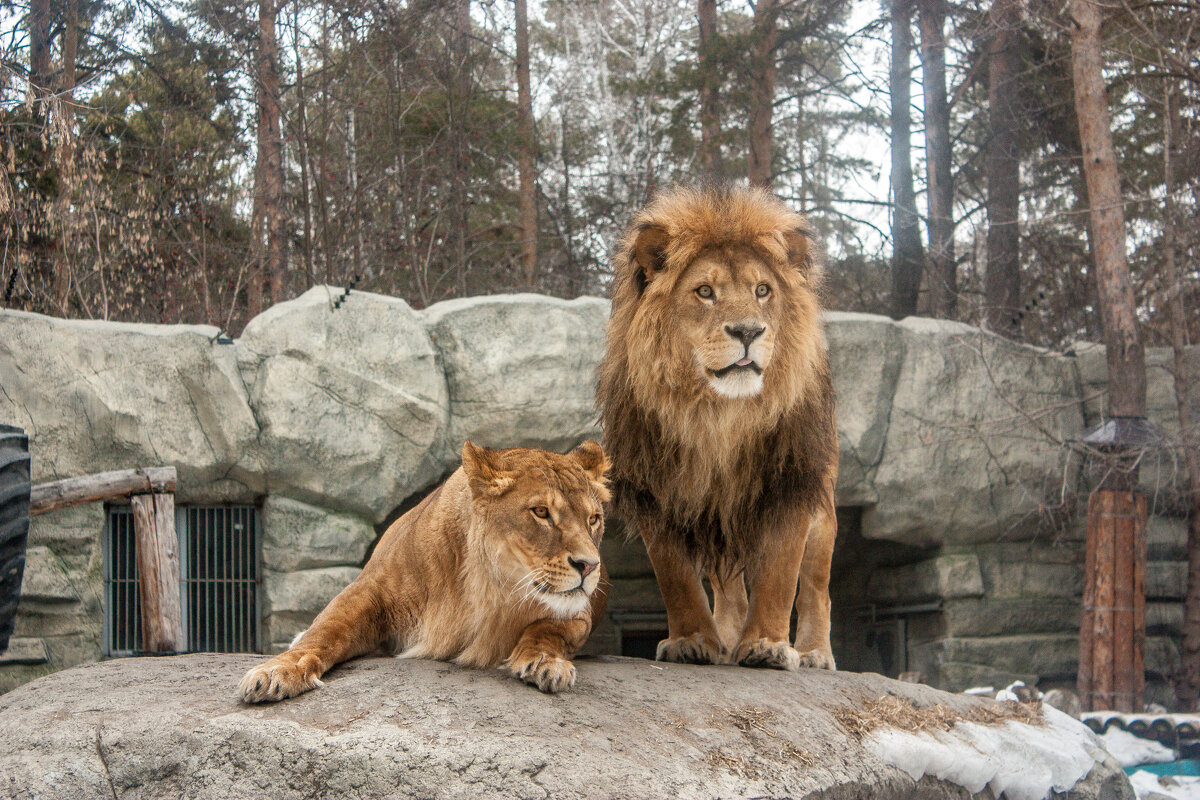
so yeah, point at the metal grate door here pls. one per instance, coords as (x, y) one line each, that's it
(218, 580)
(219, 577)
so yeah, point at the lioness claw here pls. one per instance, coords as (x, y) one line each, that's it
(549, 673)
(270, 682)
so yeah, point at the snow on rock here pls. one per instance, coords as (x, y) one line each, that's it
(1023, 762)
(1131, 750)
(1149, 787)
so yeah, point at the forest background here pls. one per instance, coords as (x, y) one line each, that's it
(197, 160)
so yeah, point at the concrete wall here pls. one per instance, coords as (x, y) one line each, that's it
(333, 421)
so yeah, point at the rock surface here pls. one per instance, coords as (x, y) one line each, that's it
(387, 728)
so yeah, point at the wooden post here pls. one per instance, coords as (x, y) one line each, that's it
(1112, 637)
(100, 486)
(158, 571)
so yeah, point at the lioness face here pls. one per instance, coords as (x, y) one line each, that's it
(728, 317)
(544, 523)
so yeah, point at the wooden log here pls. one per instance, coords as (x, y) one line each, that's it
(1122, 525)
(1139, 604)
(158, 571)
(100, 486)
(1102, 646)
(1084, 685)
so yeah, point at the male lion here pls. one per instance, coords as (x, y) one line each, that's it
(717, 406)
(499, 565)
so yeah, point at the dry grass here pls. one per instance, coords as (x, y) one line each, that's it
(890, 711)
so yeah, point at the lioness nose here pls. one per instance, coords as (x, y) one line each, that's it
(745, 333)
(584, 565)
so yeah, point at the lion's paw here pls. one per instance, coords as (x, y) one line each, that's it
(818, 659)
(276, 681)
(767, 653)
(694, 649)
(547, 672)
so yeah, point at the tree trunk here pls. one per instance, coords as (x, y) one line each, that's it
(710, 81)
(39, 47)
(270, 150)
(1122, 336)
(943, 281)
(1002, 282)
(762, 92)
(460, 44)
(302, 135)
(525, 131)
(64, 105)
(907, 255)
(1187, 687)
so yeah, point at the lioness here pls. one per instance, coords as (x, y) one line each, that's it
(717, 406)
(499, 565)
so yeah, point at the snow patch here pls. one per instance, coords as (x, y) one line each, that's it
(1147, 784)
(1023, 762)
(1132, 750)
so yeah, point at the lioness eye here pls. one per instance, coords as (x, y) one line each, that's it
(704, 290)
(762, 290)
(540, 512)
(594, 520)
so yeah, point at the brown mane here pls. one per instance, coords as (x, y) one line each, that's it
(715, 471)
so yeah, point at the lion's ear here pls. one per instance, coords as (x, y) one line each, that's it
(484, 471)
(798, 242)
(649, 253)
(590, 456)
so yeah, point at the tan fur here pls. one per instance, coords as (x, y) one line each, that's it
(474, 574)
(722, 468)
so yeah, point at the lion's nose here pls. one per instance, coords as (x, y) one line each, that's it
(584, 565)
(745, 333)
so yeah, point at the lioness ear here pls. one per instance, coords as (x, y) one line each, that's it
(484, 472)
(590, 456)
(797, 242)
(650, 253)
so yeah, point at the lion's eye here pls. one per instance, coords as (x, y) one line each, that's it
(762, 290)
(541, 512)
(705, 291)
(593, 520)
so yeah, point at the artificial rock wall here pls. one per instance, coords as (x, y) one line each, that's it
(953, 468)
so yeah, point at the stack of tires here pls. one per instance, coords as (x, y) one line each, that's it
(14, 523)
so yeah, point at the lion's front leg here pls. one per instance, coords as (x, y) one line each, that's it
(351, 625)
(812, 598)
(542, 656)
(764, 641)
(692, 636)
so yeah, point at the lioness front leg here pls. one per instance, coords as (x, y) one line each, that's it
(764, 641)
(692, 636)
(351, 625)
(542, 656)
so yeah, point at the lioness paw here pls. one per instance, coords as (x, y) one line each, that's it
(694, 649)
(767, 653)
(818, 659)
(549, 673)
(273, 681)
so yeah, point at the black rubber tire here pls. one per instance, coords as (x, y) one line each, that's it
(14, 523)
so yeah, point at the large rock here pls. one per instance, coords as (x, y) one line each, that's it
(352, 401)
(389, 728)
(865, 354)
(971, 449)
(520, 369)
(301, 536)
(96, 396)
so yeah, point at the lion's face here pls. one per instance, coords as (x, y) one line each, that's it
(543, 519)
(728, 316)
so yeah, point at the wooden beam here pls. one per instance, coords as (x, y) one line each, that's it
(158, 571)
(101, 486)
